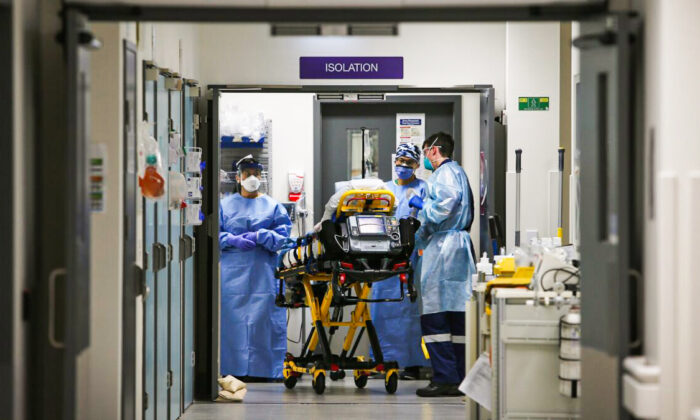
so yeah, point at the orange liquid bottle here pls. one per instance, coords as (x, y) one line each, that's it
(152, 184)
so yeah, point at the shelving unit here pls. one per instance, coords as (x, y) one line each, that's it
(232, 152)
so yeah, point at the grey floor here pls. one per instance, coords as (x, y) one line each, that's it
(340, 401)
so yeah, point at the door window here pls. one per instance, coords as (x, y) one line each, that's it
(363, 144)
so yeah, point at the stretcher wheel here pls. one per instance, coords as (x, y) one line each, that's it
(361, 381)
(391, 382)
(319, 383)
(337, 375)
(290, 382)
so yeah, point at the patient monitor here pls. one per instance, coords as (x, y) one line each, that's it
(373, 234)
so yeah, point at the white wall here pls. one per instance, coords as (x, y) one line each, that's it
(532, 57)
(162, 43)
(671, 90)
(435, 54)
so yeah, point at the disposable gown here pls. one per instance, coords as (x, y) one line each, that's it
(447, 264)
(398, 323)
(253, 329)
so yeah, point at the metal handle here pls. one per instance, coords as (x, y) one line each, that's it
(561, 159)
(52, 307)
(518, 169)
(364, 144)
(560, 210)
(589, 41)
(636, 276)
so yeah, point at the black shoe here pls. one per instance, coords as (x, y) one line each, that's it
(455, 392)
(435, 390)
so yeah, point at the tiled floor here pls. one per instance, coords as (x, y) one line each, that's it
(340, 401)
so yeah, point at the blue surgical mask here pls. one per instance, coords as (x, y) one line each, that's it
(426, 163)
(404, 172)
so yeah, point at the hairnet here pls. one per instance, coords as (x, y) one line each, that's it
(408, 150)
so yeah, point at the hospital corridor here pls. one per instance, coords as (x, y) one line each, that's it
(332, 209)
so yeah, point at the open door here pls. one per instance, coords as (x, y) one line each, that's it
(79, 41)
(610, 147)
(60, 301)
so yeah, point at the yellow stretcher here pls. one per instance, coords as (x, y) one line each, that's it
(326, 287)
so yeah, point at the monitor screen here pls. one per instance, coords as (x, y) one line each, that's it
(371, 225)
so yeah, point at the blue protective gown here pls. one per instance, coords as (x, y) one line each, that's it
(253, 329)
(447, 265)
(398, 323)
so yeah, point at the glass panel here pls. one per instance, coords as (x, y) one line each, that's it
(370, 160)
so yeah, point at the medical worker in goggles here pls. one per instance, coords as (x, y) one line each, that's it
(446, 265)
(398, 323)
(253, 227)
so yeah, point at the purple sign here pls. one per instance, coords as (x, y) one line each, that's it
(351, 67)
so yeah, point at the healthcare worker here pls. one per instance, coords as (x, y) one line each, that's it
(398, 323)
(446, 264)
(253, 227)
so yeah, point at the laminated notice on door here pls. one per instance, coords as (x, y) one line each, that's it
(477, 383)
(410, 128)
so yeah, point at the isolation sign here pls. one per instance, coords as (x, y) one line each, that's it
(351, 67)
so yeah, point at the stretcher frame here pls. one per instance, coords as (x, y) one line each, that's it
(319, 363)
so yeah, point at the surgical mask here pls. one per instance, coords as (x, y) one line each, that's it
(251, 184)
(426, 162)
(404, 172)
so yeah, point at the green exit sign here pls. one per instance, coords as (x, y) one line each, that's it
(533, 103)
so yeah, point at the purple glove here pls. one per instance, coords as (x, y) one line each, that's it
(416, 202)
(251, 236)
(240, 242)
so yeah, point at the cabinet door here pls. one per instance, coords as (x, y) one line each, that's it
(149, 236)
(162, 292)
(175, 234)
(188, 138)
(130, 277)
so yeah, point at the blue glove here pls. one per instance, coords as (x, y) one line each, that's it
(416, 202)
(251, 236)
(240, 242)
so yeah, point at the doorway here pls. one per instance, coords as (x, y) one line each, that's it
(341, 136)
(312, 129)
